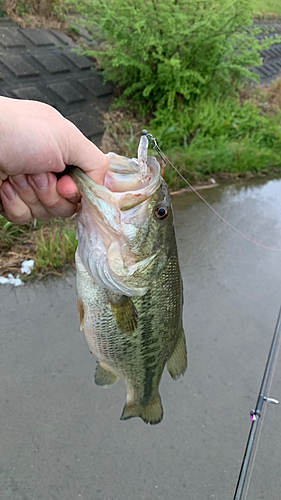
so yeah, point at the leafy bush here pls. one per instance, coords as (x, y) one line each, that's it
(182, 63)
(164, 52)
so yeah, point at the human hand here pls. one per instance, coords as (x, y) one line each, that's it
(36, 142)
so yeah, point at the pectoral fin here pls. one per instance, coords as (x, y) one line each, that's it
(177, 363)
(103, 376)
(125, 314)
(81, 312)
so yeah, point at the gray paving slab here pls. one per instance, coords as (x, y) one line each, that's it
(11, 38)
(54, 63)
(32, 93)
(268, 70)
(41, 65)
(87, 123)
(62, 37)
(39, 38)
(96, 85)
(81, 62)
(19, 66)
(67, 92)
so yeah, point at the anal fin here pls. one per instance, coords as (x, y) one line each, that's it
(151, 413)
(177, 362)
(103, 376)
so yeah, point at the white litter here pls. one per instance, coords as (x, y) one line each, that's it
(11, 280)
(26, 266)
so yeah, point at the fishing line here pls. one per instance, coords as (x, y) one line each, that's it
(154, 144)
(257, 416)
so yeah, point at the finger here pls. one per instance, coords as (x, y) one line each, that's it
(45, 187)
(15, 210)
(28, 195)
(3, 176)
(68, 189)
(81, 152)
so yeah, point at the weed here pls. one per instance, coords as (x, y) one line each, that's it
(51, 244)
(10, 233)
(74, 29)
(36, 13)
(214, 135)
(55, 248)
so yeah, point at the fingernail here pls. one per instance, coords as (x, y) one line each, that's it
(8, 191)
(21, 181)
(41, 181)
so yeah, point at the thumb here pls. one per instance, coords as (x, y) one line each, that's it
(82, 153)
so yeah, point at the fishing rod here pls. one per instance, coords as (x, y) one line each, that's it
(269, 368)
(257, 412)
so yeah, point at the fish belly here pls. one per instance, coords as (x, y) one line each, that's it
(138, 356)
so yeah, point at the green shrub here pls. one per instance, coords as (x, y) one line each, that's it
(164, 52)
(182, 63)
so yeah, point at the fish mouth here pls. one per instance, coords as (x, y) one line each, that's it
(123, 187)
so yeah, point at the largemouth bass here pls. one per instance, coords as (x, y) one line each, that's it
(129, 287)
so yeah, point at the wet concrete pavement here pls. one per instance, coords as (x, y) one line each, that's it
(60, 436)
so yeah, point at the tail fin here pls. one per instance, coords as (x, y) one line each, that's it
(151, 413)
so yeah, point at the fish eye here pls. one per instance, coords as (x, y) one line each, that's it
(161, 211)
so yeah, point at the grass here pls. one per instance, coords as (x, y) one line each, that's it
(10, 233)
(268, 7)
(239, 137)
(51, 244)
(55, 248)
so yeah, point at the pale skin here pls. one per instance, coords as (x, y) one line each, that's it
(36, 142)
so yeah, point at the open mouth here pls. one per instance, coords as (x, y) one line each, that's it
(124, 178)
